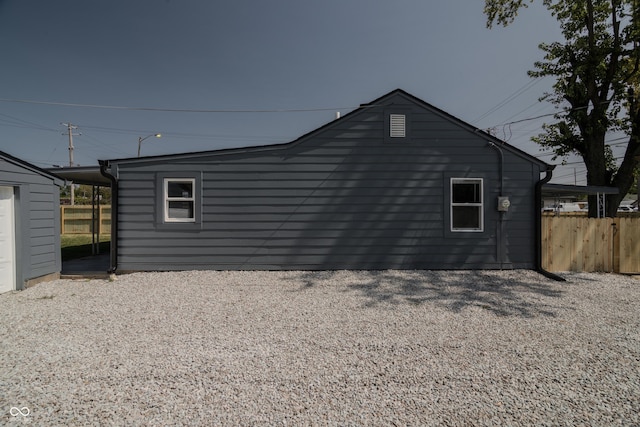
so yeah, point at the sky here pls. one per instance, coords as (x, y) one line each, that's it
(112, 58)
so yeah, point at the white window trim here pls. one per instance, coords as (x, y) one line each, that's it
(479, 205)
(168, 199)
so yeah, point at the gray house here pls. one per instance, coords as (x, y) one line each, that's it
(395, 184)
(29, 224)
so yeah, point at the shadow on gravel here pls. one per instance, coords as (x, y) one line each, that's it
(522, 294)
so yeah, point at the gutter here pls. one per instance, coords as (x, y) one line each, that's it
(104, 165)
(500, 225)
(538, 227)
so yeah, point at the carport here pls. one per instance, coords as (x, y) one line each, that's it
(562, 190)
(87, 175)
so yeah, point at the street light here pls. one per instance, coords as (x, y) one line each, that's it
(140, 139)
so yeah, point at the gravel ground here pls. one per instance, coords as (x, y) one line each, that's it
(337, 348)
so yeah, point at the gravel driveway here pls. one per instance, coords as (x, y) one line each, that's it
(336, 348)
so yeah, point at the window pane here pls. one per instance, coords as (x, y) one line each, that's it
(180, 189)
(180, 210)
(466, 217)
(466, 192)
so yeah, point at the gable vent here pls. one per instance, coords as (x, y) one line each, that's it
(397, 125)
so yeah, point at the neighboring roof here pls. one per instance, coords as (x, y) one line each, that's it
(89, 175)
(556, 190)
(26, 165)
(376, 103)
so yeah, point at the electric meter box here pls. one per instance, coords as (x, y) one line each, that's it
(503, 204)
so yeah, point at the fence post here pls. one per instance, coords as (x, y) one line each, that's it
(616, 245)
(102, 207)
(62, 219)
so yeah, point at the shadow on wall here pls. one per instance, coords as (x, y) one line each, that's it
(372, 204)
(517, 293)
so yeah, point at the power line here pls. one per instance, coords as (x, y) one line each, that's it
(17, 122)
(180, 110)
(572, 173)
(509, 98)
(544, 155)
(538, 103)
(569, 110)
(611, 143)
(530, 118)
(582, 161)
(102, 145)
(121, 131)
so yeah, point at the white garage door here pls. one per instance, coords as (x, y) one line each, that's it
(7, 241)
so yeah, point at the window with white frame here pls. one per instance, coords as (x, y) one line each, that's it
(179, 200)
(466, 204)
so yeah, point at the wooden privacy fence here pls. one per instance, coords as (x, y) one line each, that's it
(78, 220)
(578, 243)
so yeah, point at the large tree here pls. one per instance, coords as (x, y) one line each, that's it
(597, 91)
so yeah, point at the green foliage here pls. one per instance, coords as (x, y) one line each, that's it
(83, 193)
(502, 12)
(597, 87)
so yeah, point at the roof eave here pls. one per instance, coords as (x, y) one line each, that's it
(375, 103)
(24, 164)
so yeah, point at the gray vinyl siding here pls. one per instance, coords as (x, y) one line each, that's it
(37, 215)
(343, 197)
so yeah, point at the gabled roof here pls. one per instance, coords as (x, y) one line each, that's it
(379, 102)
(459, 122)
(33, 168)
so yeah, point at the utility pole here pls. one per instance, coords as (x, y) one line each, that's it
(70, 129)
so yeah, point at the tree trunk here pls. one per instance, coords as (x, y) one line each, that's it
(613, 201)
(596, 163)
(596, 175)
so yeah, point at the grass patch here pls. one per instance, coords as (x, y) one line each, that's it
(79, 245)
